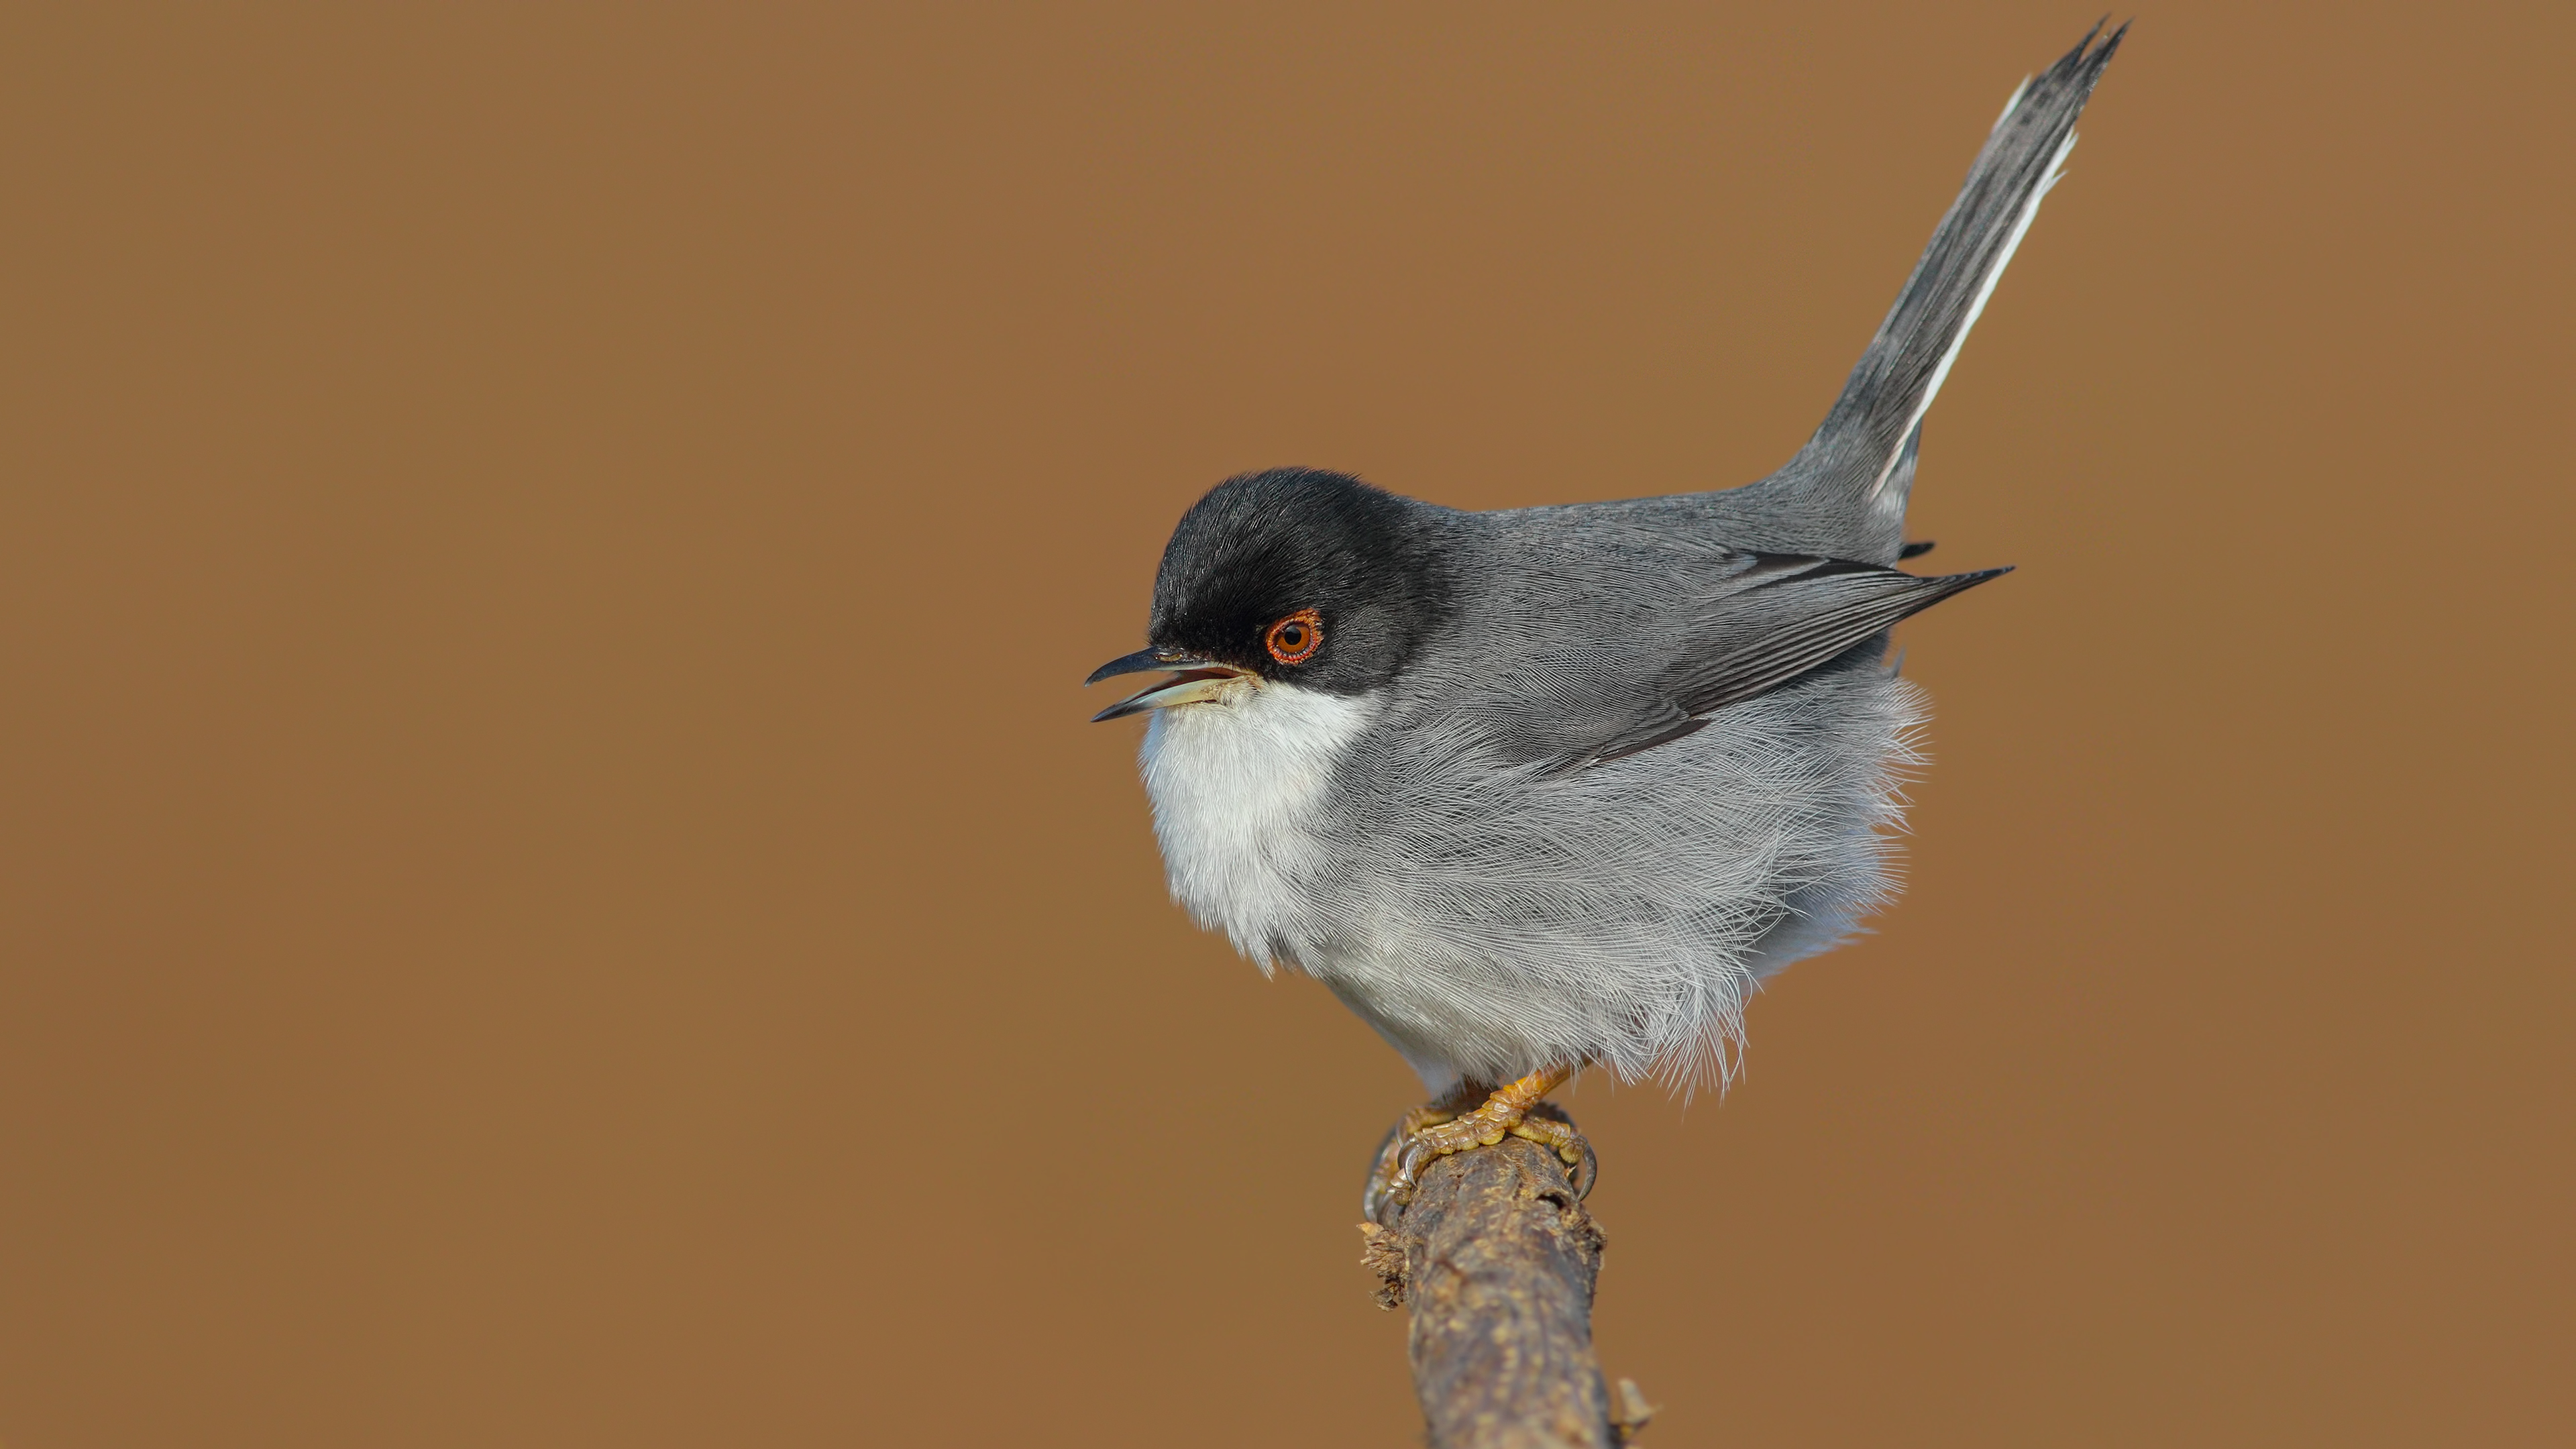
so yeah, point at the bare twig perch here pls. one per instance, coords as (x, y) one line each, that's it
(1497, 1259)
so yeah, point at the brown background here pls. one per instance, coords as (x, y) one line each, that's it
(557, 890)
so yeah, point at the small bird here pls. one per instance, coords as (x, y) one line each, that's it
(1553, 788)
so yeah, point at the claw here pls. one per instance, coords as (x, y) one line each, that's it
(1572, 1147)
(1429, 1133)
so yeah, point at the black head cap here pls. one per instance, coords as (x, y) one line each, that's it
(1303, 575)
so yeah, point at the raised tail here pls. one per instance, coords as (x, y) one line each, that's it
(1861, 460)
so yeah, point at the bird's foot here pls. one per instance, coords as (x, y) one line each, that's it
(1429, 1133)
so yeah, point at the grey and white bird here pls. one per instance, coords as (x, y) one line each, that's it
(1554, 788)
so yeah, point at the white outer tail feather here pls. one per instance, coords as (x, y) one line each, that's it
(1985, 290)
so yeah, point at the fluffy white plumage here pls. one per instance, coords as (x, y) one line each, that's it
(1237, 785)
(1490, 918)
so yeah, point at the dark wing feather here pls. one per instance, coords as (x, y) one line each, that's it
(1782, 618)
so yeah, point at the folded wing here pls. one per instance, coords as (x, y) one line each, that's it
(1778, 618)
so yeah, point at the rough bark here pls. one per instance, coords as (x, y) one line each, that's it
(1497, 1259)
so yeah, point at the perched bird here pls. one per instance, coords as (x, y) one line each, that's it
(1553, 788)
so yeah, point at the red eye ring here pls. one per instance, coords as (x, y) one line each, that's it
(1295, 639)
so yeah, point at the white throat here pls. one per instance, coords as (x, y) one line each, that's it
(1236, 783)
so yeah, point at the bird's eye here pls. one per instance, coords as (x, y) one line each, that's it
(1295, 639)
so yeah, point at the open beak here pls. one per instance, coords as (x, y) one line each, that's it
(1193, 680)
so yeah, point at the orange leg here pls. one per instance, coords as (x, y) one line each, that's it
(1435, 1131)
